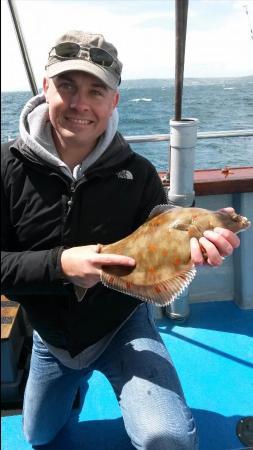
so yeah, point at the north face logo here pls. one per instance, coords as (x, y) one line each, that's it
(125, 174)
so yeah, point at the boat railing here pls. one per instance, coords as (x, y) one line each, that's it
(140, 138)
(201, 135)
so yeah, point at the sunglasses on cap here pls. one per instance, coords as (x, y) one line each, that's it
(71, 50)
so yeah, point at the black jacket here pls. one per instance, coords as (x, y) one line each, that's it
(43, 212)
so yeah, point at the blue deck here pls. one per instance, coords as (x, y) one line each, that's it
(213, 354)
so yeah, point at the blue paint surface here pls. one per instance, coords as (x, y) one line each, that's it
(213, 354)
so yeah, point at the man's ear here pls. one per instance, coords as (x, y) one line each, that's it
(116, 99)
(45, 87)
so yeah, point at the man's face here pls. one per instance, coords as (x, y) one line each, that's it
(80, 106)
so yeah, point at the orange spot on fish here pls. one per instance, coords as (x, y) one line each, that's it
(165, 252)
(154, 224)
(152, 270)
(157, 289)
(176, 261)
(152, 248)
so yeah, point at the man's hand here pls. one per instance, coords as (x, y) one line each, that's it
(82, 265)
(216, 244)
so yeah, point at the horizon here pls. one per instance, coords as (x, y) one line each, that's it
(152, 79)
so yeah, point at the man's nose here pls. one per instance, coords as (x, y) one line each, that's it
(80, 102)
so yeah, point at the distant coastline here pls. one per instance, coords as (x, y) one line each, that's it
(157, 82)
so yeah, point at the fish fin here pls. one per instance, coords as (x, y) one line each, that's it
(159, 209)
(80, 292)
(179, 225)
(160, 294)
(194, 231)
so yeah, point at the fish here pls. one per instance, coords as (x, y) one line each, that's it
(161, 250)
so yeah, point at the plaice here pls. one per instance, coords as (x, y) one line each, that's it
(161, 249)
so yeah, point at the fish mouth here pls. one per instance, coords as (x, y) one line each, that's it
(246, 223)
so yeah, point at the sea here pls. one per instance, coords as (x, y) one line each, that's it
(146, 107)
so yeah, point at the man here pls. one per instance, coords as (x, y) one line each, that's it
(71, 182)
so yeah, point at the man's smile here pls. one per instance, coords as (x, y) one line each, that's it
(78, 121)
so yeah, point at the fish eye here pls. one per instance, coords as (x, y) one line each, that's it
(235, 217)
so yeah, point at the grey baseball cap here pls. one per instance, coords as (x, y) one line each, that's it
(77, 50)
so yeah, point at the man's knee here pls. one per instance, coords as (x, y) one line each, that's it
(163, 434)
(171, 441)
(39, 436)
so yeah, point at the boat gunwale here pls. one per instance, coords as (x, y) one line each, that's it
(227, 180)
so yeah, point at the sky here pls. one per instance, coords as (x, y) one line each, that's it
(219, 42)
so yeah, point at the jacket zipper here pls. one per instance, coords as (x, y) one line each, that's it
(70, 202)
(72, 190)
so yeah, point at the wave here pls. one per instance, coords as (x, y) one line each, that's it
(141, 100)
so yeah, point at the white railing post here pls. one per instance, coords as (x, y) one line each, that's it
(182, 155)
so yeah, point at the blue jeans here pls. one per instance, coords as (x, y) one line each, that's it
(144, 380)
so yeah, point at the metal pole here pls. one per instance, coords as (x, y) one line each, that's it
(23, 48)
(183, 137)
(181, 26)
